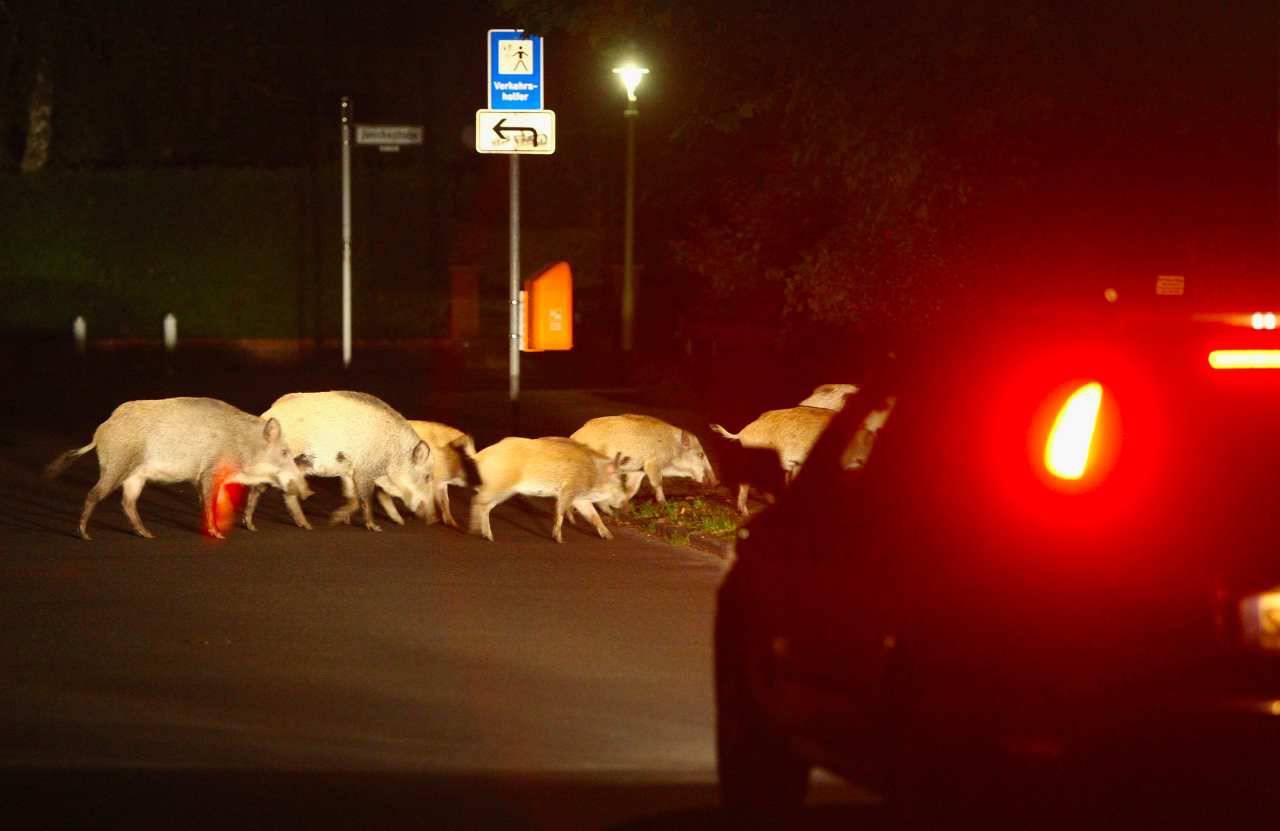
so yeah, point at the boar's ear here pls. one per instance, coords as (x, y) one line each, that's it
(421, 452)
(684, 440)
(272, 431)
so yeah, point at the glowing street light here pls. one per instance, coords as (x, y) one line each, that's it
(631, 76)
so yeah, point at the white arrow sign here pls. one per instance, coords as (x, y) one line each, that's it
(513, 131)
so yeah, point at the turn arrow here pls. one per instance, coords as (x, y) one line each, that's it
(502, 130)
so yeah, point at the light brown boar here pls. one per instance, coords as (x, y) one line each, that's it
(791, 433)
(453, 463)
(569, 472)
(653, 447)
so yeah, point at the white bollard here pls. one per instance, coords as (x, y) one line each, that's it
(170, 332)
(80, 332)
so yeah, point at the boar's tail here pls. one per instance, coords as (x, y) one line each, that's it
(64, 461)
(466, 450)
(724, 432)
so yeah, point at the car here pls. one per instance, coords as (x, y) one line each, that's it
(1052, 583)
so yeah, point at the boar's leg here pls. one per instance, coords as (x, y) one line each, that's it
(109, 477)
(743, 488)
(364, 491)
(251, 505)
(588, 511)
(294, 504)
(132, 489)
(344, 513)
(90, 502)
(481, 505)
(562, 505)
(654, 471)
(209, 504)
(389, 507)
(443, 508)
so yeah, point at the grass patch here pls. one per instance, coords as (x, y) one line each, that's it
(678, 519)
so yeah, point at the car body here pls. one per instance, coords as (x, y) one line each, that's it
(954, 624)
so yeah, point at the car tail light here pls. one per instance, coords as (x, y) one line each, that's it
(1245, 359)
(1066, 453)
(1260, 620)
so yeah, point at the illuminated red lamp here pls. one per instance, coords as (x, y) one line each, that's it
(1066, 452)
(1245, 359)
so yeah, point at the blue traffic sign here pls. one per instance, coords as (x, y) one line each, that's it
(515, 70)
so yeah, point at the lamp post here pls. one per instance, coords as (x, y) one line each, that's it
(631, 76)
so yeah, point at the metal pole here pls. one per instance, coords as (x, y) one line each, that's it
(513, 349)
(346, 232)
(628, 241)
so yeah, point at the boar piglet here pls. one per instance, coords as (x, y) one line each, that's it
(572, 473)
(653, 447)
(830, 396)
(357, 438)
(744, 468)
(199, 440)
(452, 463)
(791, 433)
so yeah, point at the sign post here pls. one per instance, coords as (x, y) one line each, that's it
(346, 232)
(514, 123)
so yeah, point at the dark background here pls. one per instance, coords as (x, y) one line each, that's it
(804, 171)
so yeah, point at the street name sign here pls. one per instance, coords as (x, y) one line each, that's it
(389, 134)
(515, 70)
(508, 131)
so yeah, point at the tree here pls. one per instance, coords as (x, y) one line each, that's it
(27, 57)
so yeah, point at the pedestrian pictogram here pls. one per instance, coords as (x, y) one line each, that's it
(515, 57)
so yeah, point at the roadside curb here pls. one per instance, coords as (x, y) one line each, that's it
(712, 545)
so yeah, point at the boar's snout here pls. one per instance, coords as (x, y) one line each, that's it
(420, 507)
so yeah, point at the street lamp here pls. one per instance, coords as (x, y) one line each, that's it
(631, 76)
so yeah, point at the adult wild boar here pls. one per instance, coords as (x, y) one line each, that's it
(791, 433)
(570, 472)
(452, 463)
(654, 448)
(199, 440)
(830, 396)
(357, 438)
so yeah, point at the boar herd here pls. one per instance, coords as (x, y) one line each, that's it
(376, 452)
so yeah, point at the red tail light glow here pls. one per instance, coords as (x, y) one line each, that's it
(1245, 359)
(1066, 453)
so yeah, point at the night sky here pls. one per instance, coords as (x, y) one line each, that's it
(799, 161)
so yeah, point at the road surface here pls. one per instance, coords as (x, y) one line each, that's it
(338, 677)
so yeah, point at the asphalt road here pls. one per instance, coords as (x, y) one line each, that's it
(419, 677)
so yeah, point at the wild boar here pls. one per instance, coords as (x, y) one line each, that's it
(830, 396)
(572, 473)
(654, 448)
(791, 433)
(453, 463)
(199, 440)
(359, 439)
